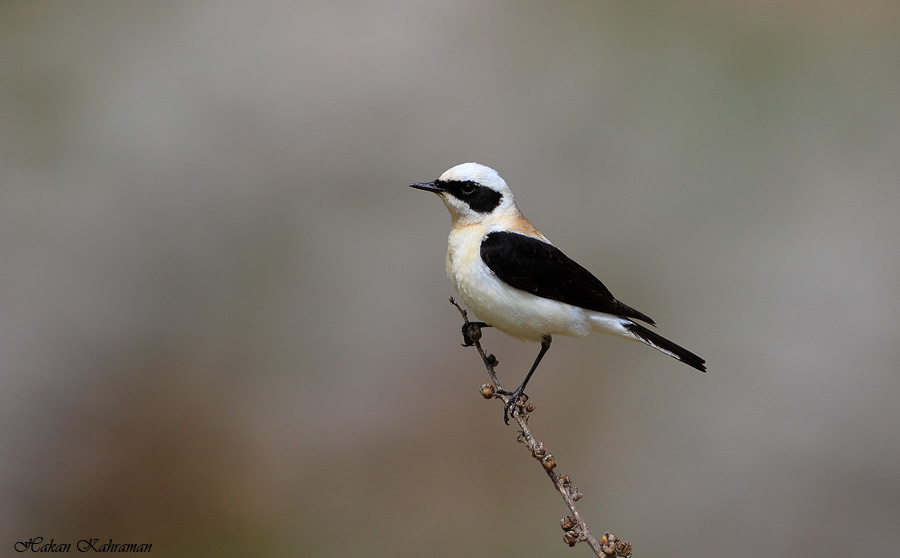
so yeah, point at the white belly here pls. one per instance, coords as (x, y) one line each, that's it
(512, 311)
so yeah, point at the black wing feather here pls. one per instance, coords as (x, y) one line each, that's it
(532, 265)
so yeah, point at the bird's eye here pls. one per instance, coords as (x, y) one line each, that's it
(468, 188)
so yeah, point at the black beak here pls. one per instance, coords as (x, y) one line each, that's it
(427, 186)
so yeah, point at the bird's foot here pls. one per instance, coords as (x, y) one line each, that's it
(515, 405)
(471, 332)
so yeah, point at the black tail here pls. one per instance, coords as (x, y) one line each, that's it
(662, 344)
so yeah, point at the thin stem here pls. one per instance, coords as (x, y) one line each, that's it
(574, 526)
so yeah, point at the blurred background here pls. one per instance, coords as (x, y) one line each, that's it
(224, 326)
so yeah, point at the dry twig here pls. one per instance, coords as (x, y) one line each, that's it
(574, 526)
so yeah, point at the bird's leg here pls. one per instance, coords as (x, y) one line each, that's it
(515, 395)
(471, 332)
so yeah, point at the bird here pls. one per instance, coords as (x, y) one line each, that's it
(512, 277)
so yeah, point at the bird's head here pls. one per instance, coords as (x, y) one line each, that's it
(472, 193)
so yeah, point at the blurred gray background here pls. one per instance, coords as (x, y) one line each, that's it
(224, 326)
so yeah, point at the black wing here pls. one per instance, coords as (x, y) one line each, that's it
(541, 269)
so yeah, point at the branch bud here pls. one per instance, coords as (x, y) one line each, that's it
(488, 391)
(548, 462)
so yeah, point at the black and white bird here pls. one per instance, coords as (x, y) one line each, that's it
(514, 279)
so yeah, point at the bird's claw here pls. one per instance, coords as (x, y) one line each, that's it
(471, 332)
(516, 398)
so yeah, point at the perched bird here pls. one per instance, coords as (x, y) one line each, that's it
(514, 279)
